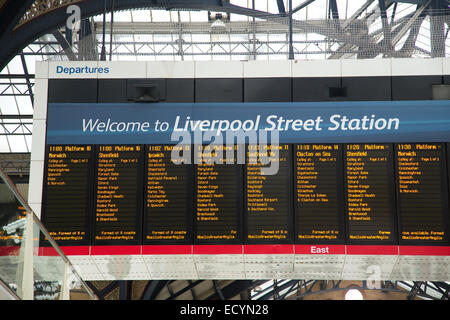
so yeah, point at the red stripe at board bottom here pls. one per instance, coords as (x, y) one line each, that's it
(372, 250)
(319, 249)
(218, 249)
(9, 251)
(424, 251)
(269, 249)
(67, 250)
(237, 249)
(167, 249)
(115, 250)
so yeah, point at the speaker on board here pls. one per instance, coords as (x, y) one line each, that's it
(152, 90)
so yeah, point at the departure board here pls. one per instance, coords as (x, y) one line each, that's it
(319, 193)
(448, 174)
(448, 167)
(369, 186)
(422, 193)
(118, 203)
(268, 201)
(218, 183)
(67, 200)
(168, 195)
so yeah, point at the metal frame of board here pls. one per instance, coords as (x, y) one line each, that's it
(346, 262)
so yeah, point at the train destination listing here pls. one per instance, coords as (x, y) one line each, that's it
(218, 204)
(323, 193)
(422, 192)
(319, 192)
(369, 187)
(168, 200)
(66, 190)
(118, 185)
(268, 197)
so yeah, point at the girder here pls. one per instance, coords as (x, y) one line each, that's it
(45, 17)
(42, 19)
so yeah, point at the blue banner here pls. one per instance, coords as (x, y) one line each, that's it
(298, 122)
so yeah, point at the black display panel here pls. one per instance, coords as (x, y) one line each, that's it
(319, 208)
(118, 194)
(219, 198)
(448, 173)
(370, 194)
(268, 198)
(422, 193)
(67, 193)
(168, 195)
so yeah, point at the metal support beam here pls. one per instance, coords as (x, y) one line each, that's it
(125, 290)
(291, 47)
(410, 22)
(27, 288)
(65, 45)
(10, 14)
(357, 13)
(153, 288)
(94, 290)
(386, 28)
(302, 5)
(194, 294)
(254, 33)
(191, 286)
(218, 290)
(69, 36)
(27, 79)
(334, 10)
(111, 31)
(35, 24)
(346, 47)
(281, 8)
(278, 288)
(6, 293)
(108, 289)
(410, 43)
(332, 33)
(234, 289)
(87, 46)
(415, 290)
(394, 11)
(103, 53)
(437, 28)
(290, 290)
